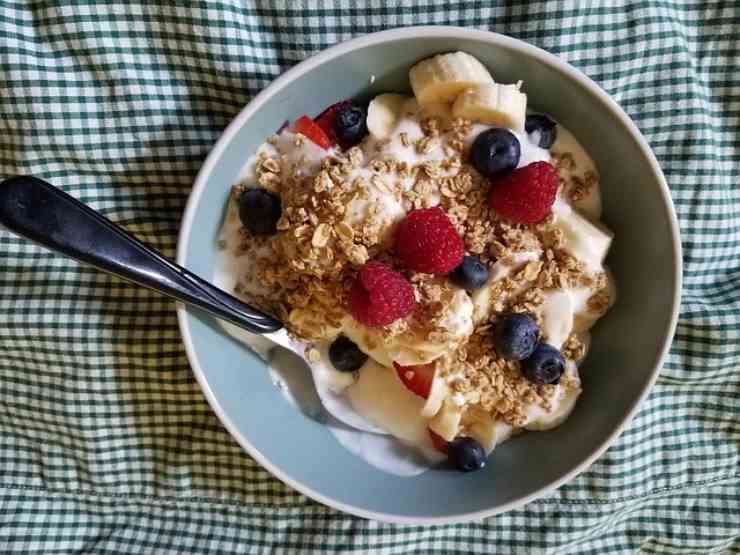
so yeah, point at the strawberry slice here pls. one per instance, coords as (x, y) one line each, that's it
(327, 119)
(417, 378)
(308, 128)
(439, 443)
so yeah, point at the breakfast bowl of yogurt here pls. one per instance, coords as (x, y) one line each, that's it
(474, 255)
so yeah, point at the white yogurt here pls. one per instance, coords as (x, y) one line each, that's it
(587, 241)
(590, 205)
(304, 159)
(386, 452)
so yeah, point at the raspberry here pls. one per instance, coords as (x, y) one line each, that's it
(427, 242)
(527, 194)
(380, 295)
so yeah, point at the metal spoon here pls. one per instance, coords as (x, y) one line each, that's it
(36, 210)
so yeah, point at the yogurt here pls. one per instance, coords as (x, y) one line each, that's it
(388, 424)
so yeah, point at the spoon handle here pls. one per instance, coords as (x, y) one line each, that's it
(34, 209)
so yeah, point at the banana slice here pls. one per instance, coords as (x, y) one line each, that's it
(442, 111)
(410, 107)
(383, 114)
(413, 346)
(589, 242)
(492, 104)
(443, 77)
(484, 429)
(446, 422)
(437, 394)
(407, 349)
(380, 398)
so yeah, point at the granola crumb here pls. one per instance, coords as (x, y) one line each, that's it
(573, 348)
(598, 302)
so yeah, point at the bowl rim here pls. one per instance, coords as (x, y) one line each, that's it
(388, 36)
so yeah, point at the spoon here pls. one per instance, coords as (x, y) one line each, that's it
(36, 210)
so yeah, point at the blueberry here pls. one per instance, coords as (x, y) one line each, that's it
(345, 355)
(259, 211)
(467, 454)
(544, 366)
(350, 124)
(470, 274)
(495, 151)
(546, 129)
(515, 336)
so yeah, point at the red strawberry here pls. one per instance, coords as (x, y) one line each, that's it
(426, 241)
(527, 194)
(439, 443)
(308, 128)
(326, 119)
(380, 295)
(417, 378)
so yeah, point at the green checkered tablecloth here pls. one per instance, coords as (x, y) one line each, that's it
(107, 444)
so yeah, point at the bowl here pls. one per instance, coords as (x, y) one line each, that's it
(628, 345)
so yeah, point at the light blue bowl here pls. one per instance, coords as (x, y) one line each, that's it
(628, 344)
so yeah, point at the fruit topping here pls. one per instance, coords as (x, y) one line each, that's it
(417, 379)
(383, 114)
(380, 295)
(544, 366)
(350, 124)
(527, 194)
(500, 105)
(542, 129)
(309, 129)
(426, 241)
(443, 77)
(471, 274)
(259, 211)
(515, 336)
(327, 119)
(439, 443)
(495, 152)
(345, 355)
(467, 454)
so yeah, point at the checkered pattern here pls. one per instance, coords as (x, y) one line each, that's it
(107, 444)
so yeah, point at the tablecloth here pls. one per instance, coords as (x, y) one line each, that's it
(107, 444)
